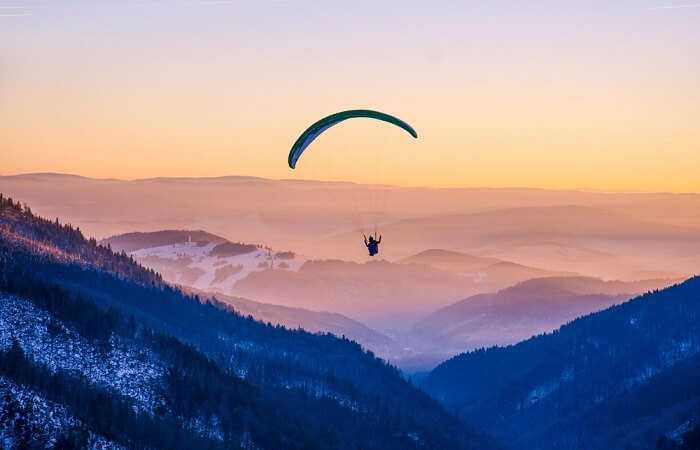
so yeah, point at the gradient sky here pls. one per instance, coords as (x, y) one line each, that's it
(576, 94)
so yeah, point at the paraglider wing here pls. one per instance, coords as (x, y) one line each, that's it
(311, 133)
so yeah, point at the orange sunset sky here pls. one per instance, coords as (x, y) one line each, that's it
(598, 95)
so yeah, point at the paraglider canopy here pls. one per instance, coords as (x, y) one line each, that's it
(311, 133)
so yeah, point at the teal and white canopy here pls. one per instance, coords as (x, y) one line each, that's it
(311, 133)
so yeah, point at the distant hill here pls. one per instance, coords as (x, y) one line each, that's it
(94, 353)
(450, 260)
(377, 292)
(489, 274)
(201, 260)
(313, 322)
(623, 377)
(130, 242)
(518, 312)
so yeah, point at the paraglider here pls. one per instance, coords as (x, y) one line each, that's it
(316, 129)
(372, 244)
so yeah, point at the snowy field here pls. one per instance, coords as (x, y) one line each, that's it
(194, 265)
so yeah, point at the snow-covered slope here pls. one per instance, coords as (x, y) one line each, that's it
(27, 420)
(201, 266)
(128, 369)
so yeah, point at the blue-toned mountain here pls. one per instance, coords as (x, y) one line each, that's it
(618, 378)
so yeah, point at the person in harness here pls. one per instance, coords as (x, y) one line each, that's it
(372, 243)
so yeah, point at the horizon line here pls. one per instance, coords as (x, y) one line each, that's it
(255, 177)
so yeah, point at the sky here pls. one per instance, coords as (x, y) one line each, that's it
(549, 94)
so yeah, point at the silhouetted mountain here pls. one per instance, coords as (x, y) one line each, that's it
(618, 378)
(377, 293)
(488, 274)
(91, 348)
(526, 309)
(450, 260)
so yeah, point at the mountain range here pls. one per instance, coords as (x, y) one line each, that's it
(625, 236)
(97, 350)
(529, 308)
(624, 377)
(421, 283)
(302, 293)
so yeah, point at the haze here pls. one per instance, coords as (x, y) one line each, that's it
(535, 233)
